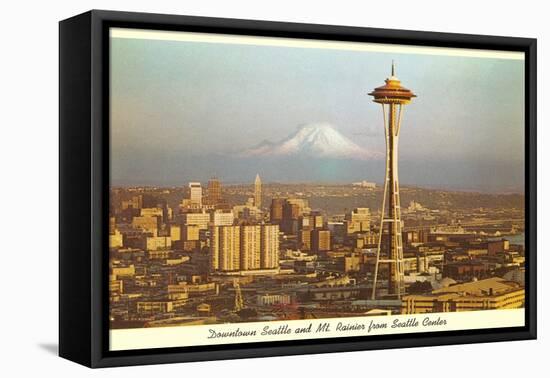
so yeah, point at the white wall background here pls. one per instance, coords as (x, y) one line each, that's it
(29, 185)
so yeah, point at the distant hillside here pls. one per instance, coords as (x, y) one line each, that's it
(335, 203)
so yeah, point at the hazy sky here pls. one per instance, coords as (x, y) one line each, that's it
(183, 111)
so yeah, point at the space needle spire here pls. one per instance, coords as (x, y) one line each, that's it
(392, 96)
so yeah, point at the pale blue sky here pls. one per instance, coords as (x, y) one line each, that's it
(179, 107)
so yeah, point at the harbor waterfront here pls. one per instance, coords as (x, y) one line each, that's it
(518, 239)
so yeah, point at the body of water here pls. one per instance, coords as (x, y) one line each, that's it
(514, 239)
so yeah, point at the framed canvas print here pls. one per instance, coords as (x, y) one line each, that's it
(234, 188)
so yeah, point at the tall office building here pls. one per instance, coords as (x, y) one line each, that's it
(247, 247)
(304, 239)
(230, 246)
(258, 192)
(276, 210)
(392, 96)
(320, 240)
(214, 248)
(291, 216)
(225, 248)
(302, 203)
(195, 193)
(313, 220)
(250, 247)
(269, 254)
(214, 192)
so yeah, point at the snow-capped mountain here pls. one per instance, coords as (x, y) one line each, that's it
(318, 140)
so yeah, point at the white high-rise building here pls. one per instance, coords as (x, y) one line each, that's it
(225, 246)
(269, 249)
(246, 247)
(250, 247)
(195, 193)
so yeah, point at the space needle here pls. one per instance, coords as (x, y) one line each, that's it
(392, 96)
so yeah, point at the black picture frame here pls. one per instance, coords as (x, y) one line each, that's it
(84, 180)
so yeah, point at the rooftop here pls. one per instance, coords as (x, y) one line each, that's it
(392, 92)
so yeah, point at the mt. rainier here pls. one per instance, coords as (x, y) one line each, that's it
(318, 140)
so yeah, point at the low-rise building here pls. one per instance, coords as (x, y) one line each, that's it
(272, 299)
(123, 271)
(154, 243)
(159, 307)
(116, 240)
(465, 270)
(489, 294)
